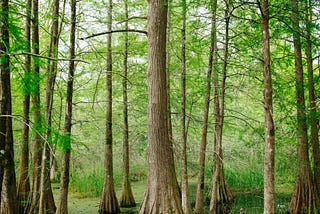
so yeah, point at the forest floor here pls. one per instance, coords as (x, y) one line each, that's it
(250, 200)
(79, 203)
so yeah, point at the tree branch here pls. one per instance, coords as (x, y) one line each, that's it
(114, 31)
(43, 57)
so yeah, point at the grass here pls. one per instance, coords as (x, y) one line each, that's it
(89, 181)
(240, 176)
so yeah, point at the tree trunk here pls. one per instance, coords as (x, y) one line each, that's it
(268, 112)
(203, 146)
(314, 121)
(64, 180)
(127, 199)
(162, 194)
(46, 202)
(37, 121)
(53, 160)
(168, 76)
(109, 202)
(23, 187)
(8, 203)
(304, 199)
(184, 169)
(221, 193)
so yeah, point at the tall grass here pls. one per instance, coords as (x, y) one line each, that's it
(89, 181)
(247, 176)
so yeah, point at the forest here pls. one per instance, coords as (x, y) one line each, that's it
(179, 106)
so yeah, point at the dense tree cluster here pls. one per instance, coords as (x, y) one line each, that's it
(191, 90)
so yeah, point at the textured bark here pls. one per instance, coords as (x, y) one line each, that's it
(46, 202)
(64, 180)
(23, 186)
(127, 199)
(268, 112)
(37, 121)
(304, 198)
(184, 169)
(162, 194)
(168, 56)
(221, 193)
(8, 203)
(203, 146)
(53, 160)
(2, 143)
(314, 121)
(109, 202)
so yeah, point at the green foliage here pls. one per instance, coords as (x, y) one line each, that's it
(64, 142)
(244, 175)
(88, 182)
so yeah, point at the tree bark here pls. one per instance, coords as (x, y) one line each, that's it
(23, 187)
(221, 193)
(127, 199)
(304, 199)
(46, 202)
(8, 203)
(314, 121)
(168, 56)
(37, 121)
(109, 202)
(184, 169)
(268, 112)
(202, 156)
(162, 194)
(64, 180)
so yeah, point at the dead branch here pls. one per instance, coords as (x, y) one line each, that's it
(114, 31)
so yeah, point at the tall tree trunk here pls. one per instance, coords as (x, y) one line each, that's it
(37, 121)
(314, 121)
(268, 112)
(8, 203)
(203, 146)
(127, 199)
(46, 202)
(162, 194)
(109, 201)
(23, 187)
(184, 170)
(168, 56)
(64, 180)
(53, 160)
(304, 199)
(221, 192)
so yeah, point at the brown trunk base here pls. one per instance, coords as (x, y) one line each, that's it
(221, 202)
(109, 203)
(161, 203)
(127, 199)
(222, 208)
(304, 198)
